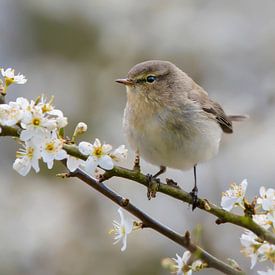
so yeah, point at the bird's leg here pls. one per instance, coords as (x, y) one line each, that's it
(194, 192)
(153, 183)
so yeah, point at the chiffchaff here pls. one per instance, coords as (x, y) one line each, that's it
(170, 120)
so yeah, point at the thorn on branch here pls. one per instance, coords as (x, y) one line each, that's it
(143, 225)
(249, 210)
(136, 167)
(220, 221)
(206, 205)
(187, 238)
(100, 177)
(171, 182)
(125, 202)
(64, 175)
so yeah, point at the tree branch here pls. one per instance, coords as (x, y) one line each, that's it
(170, 190)
(148, 222)
(177, 193)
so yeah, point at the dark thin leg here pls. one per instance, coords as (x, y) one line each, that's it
(194, 192)
(195, 176)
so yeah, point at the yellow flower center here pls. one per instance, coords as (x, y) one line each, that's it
(46, 108)
(9, 81)
(36, 121)
(50, 147)
(29, 152)
(98, 151)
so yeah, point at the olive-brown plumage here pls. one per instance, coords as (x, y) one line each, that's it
(169, 119)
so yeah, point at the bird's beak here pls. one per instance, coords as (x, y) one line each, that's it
(125, 81)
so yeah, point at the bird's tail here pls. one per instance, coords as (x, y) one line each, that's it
(238, 117)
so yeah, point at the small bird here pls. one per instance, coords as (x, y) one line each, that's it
(170, 120)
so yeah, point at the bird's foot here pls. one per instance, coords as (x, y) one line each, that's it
(153, 186)
(172, 183)
(194, 195)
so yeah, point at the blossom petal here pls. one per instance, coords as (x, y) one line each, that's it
(228, 203)
(90, 165)
(85, 148)
(106, 162)
(73, 163)
(62, 154)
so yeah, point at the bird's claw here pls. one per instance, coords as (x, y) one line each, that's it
(153, 186)
(195, 200)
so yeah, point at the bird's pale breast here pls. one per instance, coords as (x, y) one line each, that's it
(174, 138)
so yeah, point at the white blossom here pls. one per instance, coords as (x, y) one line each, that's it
(98, 155)
(10, 114)
(266, 252)
(268, 272)
(182, 266)
(73, 163)
(234, 195)
(10, 77)
(51, 149)
(263, 220)
(250, 245)
(121, 230)
(271, 218)
(59, 118)
(119, 153)
(36, 126)
(267, 199)
(27, 158)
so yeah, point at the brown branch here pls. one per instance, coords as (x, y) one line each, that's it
(177, 193)
(148, 222)
(170, 190)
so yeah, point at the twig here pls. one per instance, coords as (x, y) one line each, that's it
(148, 222)
(177, 193)
(168, 189)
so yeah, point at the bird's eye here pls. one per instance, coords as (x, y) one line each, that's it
(151, 78)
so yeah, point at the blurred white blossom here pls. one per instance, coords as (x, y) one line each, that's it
(10, 77)
(268, 272)
(119, 153)
(27, 158)
(263, 220)
(250, 245)
(267, 199)
(10, 114)
(266, 252)
(122, 229)
(234, 195)
(181, 265)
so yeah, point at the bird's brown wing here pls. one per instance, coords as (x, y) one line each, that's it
(199, 95)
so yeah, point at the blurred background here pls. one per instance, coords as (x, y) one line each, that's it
(75, 50)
